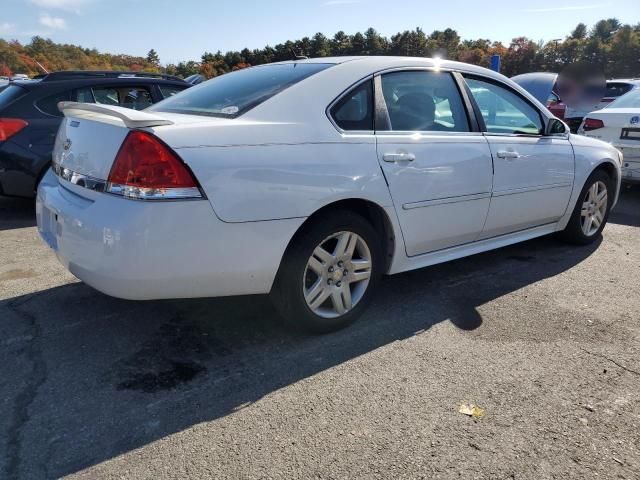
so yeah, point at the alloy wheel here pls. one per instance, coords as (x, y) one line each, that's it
(337, 274)
(594, 208)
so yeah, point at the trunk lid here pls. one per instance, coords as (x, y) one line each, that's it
(90, 136)
(538, 84)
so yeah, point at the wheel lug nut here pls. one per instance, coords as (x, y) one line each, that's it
(345, 273)
(339, 284)
(340, 264)
(330, 269)
(329, 282)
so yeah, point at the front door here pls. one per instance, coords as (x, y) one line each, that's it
(534, 173)
(439, 172)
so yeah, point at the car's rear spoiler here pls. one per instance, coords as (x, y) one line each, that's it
(131, 118)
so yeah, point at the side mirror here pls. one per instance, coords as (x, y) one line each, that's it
(556, 127)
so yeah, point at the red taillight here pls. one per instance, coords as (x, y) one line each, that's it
(9, 127)
(146, 168)
(592, 124)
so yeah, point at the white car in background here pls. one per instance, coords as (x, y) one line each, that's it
(311, 179)
(614, 90)
(619, 124)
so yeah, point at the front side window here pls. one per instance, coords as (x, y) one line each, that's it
(235, 93)
(504, 111)
(354, 111)
(424, 101)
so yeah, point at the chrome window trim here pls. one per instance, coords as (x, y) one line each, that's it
(461, 70)
(420, 134)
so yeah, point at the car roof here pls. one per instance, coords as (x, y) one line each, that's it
(346, 72)
(383, 62)
(37, 84)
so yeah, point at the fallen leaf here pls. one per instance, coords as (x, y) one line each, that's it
(471, 410)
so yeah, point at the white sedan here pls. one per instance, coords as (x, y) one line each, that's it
(619, 124)
(311, 179)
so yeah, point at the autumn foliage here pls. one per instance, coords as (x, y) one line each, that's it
(613, 47)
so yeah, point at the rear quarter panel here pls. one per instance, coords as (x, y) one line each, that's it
(286, 179)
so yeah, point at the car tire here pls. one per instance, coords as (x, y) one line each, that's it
(334, 262)
(593, 206)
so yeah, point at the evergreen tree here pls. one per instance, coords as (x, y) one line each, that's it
(152, 57)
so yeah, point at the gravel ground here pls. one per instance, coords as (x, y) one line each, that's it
(544, 337)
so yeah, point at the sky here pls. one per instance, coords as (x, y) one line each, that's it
(184, 29)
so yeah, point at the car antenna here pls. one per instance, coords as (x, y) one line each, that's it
(40, 65)
(296, 56)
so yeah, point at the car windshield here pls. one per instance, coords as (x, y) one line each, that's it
(628, 100)
(235, 93)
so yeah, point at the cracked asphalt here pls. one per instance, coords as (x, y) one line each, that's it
(543, 336)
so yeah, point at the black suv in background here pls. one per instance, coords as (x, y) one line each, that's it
(29, 116)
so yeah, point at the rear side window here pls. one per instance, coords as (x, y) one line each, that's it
(617, 89)
(49, 105)
(235, 93)
(424, 101)
(136, 98)
(354, 111)
(10, 94)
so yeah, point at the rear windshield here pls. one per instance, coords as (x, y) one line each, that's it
(235, 93)
(9, 94)
(629, 100)
(617, 89)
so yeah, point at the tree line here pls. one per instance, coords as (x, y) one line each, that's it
(609, 44)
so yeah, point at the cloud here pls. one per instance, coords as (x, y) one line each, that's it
(6, 28)
(69, 5)
(565, 9)
(56, 23)
(341, 2)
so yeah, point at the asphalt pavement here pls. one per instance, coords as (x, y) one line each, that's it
(543, 337)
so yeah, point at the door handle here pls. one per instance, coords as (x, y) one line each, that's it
(399, 157)
(508, 154)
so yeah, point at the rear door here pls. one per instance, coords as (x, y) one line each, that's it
(438, 166)
(533, 177)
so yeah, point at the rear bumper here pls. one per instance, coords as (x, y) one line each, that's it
(630, 163)
(152, 250)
